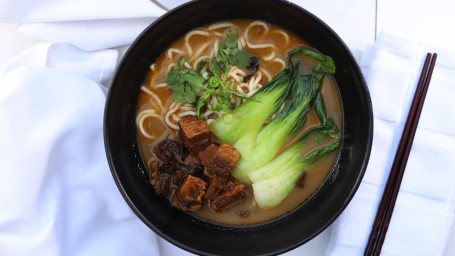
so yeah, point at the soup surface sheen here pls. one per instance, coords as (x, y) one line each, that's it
(158, 114)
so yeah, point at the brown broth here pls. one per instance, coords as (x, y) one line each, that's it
(315, 176)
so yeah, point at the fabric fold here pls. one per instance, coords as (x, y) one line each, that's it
(89, 35)
(86, 24)
(58, 195)
(424, 211)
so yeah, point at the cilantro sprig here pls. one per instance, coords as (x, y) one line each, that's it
(229, 54)
(197, 88)
(186, 84)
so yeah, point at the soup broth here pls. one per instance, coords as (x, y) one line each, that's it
(158, 114)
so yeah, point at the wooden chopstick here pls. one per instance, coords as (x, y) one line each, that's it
(389, 197)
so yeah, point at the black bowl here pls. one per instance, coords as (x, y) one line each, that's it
(202, 237)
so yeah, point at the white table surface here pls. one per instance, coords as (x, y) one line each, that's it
(357, 22)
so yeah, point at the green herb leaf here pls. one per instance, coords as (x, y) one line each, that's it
(229, 53)
(215, 68)
(214, 82)
(193, 87)
(185, 84)
(182, 61)
(201, 65)
(231, 41)
(243, 59)
(203, 102)
(172, 77)
(215, 107)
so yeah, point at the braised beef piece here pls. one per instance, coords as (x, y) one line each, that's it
(161, 181)
(195, 134)
(179, 177)
(205, 156)
(301, 180)
(189, 195)
(170, 150)
(216, 186)
(231, 195)
(192, 159)
(224, 192)
(219, 160)
(184, 170)
(169, 176)
(180, 174)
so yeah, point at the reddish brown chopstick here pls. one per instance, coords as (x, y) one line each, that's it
(389, 197)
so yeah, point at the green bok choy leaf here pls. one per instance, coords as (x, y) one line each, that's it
(272, 176)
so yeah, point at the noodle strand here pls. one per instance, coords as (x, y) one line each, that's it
(144, 114)
(154, 96)
(190, 34)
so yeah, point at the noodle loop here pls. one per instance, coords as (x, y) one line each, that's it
(144, 114)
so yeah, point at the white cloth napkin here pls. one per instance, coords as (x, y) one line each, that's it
(57, 195)
(423, 215)
(89, 25)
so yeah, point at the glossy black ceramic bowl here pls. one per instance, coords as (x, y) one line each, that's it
(202, 237)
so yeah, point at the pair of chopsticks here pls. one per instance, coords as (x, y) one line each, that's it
(384, 213)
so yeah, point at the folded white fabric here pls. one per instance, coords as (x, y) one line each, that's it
(89, 25)
(424, 212)
(57, 196)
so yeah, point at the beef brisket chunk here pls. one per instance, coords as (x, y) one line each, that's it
(216, 186)
(232, 194)
(195, 134)
(219, 160)
(188, 197)
(179, 177)
(169, 176)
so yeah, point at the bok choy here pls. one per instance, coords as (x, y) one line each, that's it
(248, 118)
(273, 176)
(259, 149)
(275, 180)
